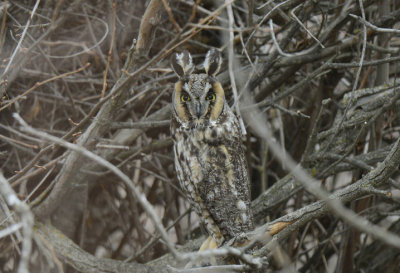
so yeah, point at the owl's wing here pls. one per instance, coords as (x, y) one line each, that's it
(225, 188)
(226, 192)
(190, 176)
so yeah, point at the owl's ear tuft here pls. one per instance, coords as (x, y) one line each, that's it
(182, 63)
(212, 62)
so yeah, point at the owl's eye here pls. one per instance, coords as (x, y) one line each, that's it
(210, 96)
(185, 97)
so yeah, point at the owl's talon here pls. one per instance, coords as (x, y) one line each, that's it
(204, 245)
(212, 244)
(209, 243)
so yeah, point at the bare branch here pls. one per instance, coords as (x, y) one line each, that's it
(26, 222)
(375, 28)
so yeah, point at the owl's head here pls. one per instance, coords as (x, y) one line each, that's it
(197, 98)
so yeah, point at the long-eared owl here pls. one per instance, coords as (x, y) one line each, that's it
(209, 155)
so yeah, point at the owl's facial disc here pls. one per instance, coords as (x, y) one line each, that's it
(199, 98)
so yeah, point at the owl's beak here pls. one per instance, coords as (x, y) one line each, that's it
(198, 110)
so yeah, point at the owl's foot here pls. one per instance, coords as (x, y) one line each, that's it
(208, 244)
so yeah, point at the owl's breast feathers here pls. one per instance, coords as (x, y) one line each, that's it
(211, 167)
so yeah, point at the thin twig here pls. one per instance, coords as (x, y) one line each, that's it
(231, 61)
(85, 48)
(375, 28)
(255, 262)
(365, 63)
(266, 16)
(3, 23)
(36, 85)
(26, 220)
(304, 27)
(141, 124)
(103, 91)
(171, 16)
(16, 49)
(281, 52)
(194, 10)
